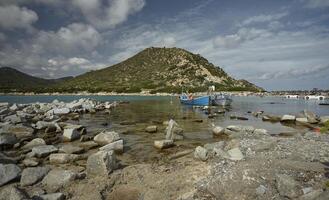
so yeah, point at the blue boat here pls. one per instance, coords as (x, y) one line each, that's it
(195, 101)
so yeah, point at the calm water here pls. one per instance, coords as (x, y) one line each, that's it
(143, 111)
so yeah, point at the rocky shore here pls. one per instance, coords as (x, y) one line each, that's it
(46, 153)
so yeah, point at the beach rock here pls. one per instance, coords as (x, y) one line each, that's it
(116, 146)
(288, 118)
(271, 118)
(52, 196)
(4, 159)
(218, 130)
(324, 119)
(14, 119)
(34, 143)
(62, 158)
(235, 154)
(88, 145)
(7, 139)
(201, 153)
(32, 175)
(287, 186)
(261, 190)
(151, 129)
(301, 120)
(14, 107)
(21, 131)
(70, 134)
(106, 137)
(211, 146)
(259, 131)
(171, 129)
(162, 144)
(4, 111)
(311, 117)
(11, 192)
(70, 149)
(44, 150)
(30, 162)
(9, 172)
(61, 111)
(47, 125)
(101, 163)
(58, 178)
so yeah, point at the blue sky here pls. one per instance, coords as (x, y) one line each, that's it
(281, 44)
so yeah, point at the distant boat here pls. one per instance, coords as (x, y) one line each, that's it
(195, 101)
(221, 100)
(314, 97)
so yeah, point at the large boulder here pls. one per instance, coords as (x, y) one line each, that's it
(101, 163)
(201, 153)
(311, 117)
(163, 144)
(44, 150)
(62, 158)
(9, 173)
(106, 137)
(58, 178)
(288, 118)
(116, 146)
(32, 175)
(287, 186)
(218, 130)
(34, 143)
(70, 134)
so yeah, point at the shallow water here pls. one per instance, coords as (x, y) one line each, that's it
(150, 110)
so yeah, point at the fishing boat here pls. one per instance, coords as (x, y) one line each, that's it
(221, 100)
(195, 101)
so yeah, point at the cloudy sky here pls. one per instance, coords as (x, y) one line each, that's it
(278, 44)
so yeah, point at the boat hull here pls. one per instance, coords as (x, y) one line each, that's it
(198, 101)
(221, 100)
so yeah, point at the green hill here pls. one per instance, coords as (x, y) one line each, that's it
(12, 80)
(157, 70)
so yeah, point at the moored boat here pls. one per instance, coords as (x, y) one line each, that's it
(199, 101)
(221, 100)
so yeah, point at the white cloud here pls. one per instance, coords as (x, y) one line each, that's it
(263, 18)
(12, 16)
(73, 63)
(114, 12)
(74, 38)
(316, 3)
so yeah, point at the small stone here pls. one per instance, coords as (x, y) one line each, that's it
(117, 146)
(235, 154)
(201, 153)
(301, 120)
(101, 163)
(29, 162)
(70, 134)
(34, 143)
(162, 144)
(62, 158)
(88, 145)
(307, 190)
(260, 131)
(151, 129)
(287, 186)
(261, 190)
(218, 130)
(44, 150)
(32, 175)
(7, 139)
(106, 138)
(9, 172)
(70, 149)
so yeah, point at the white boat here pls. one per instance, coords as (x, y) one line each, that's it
(292, 96)
(221, 100)
(314, 97)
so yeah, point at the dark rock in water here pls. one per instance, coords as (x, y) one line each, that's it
(104, 124)
(324, 104)
(198, 120)
(238, 117)
(271, 118)
(288, 133)
(9, 172)
(127, 123)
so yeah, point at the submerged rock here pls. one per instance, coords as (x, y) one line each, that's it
(101, 163)
(162, 144)
(106, 137)
(32, 175)
(9, 172)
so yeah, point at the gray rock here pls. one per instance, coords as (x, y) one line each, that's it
(44, 150)
(151, 129)
(88, 145)
(61, 111)
(302, 120)
(21, 131)
(313, 195)
(259, 131)
(7, 139)
(261, 190)
(53, 196)
(218, 130)
(101, 163)
(212, 146)
(235, 154)
(117, 146)
(162, 144)
(62, 158)
(106, 137)
(15, 119)
(9, 172)
(271, 118)
(14, 107)
(287, 186)
(57, 179)
(70, 149)
(71, 134)
(32, 175)
(288, 118)
(201, 153)
(34, 143)
(311, 117)
(30, 162)
(13, 193)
